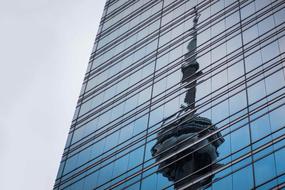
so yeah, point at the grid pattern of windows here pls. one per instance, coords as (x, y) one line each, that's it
(133, 82)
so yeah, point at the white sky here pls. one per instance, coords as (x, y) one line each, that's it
(44, 50)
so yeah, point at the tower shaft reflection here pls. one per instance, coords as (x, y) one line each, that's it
(188, 129)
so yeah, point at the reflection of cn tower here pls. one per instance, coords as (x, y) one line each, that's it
(186, 130)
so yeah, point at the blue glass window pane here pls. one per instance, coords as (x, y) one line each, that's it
(243, 179)
(264, 169)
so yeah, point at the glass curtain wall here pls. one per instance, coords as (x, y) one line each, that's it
(133, 93)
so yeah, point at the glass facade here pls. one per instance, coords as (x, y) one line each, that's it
(140, 94)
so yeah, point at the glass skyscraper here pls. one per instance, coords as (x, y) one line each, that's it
(181, 94)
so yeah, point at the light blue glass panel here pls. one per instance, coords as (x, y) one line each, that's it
(220, 112)
(270, 51)
(260, 127)
(121, 166)
(71, 163)
(76, 186)
(277, 119)
(271, 82)
(150, 182)
(240, 138)
(233, 44)
(265, 25)
(105, 174)
(136, 157)
(97, 148)
(261, 4)
(140, 125)
(282, 45)
(111, 141)
(250, 34)
(247, 10)
(91, 181)
(256, 92)
(136, 186)
(253, 61)
(85, 130)
(223, 184)
(126, 132)
(279, 17)
(243, 179)
(264, 169)
(237, 102)
(280, 164)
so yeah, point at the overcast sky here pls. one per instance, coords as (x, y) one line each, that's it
(44, 50)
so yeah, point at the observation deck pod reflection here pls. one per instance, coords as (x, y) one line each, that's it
(195, 161)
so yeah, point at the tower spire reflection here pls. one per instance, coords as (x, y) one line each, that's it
(190, 67)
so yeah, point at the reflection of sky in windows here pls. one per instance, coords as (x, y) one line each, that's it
(243, 72)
